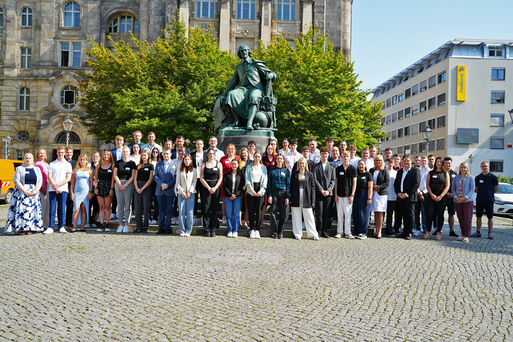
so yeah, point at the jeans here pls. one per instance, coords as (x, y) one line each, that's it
(61, 200)
(232, 214)
(186, 213)
(166, 203)
(124, 202)
(361, 212)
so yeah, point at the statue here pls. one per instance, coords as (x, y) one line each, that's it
(248, 100)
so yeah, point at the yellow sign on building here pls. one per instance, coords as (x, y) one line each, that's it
(461, 83)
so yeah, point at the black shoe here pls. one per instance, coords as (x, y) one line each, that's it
(476, 234)
(274, 236)
(453, 233)
(161, 231)
(144, 231)
(213, 234)
(407, 236)
(280, 236)
(138, 230)
(325, 235)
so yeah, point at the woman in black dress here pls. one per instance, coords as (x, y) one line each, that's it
(211, 177)
(104, 188)
(437, 185)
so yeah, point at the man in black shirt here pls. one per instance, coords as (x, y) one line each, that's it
(487, 185)
(450, 198)
(345, 187)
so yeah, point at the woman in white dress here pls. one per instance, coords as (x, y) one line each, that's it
(380, 193)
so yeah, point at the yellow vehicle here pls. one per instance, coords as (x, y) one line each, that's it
(7, 168)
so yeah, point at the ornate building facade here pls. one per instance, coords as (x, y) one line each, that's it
(42, 43)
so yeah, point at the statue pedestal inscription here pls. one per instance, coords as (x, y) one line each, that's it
(240, 137)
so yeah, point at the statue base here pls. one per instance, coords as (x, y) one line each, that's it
(240, 137)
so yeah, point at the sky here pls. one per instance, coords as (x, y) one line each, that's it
(390, 35)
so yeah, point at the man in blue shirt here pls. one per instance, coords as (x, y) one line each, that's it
(487, 185)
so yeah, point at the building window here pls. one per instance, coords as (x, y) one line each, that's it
(432, 81)
(400, 150)
(407, 93)
(415, 90)
(431, 145)
(394, 117)
(441, 99)
(75, 53)
(414, 129)
(394, 99)
(495, 51)
(422, 126)
(124, 24)
(286, 10)
(422, 106)
(205, 9)
(74, 139)
(388, 119)
(68, 97)
(389, 102)
(432, 103)
(401, 98)
(423, 86)
(26, 17)
(422, 147)
(496, 166)
(246, 9)
(25, 57)
(497, 96)
(72, 15)
(394, 134)
(442, 77)
(431, 123)
(407, 112)
(22, 136)
(440, 144)
(498, 74)
(1, 20)
(400, 133)
(414, 148)
(497, 143)
(406, 131)
(496, 120)
(20, 154)
(414, 110)
(400, 115)
(440, 121)
(24, 99)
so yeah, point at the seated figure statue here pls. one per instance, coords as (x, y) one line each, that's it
(248, 100)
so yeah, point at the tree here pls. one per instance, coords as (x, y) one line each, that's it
(318, 93)
(168, 86)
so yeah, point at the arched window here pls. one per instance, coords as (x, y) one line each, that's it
(68, 97)
(26, 17)
(246, 9)
(73, 138)
(286, 10)
(72, 15)
(1, 20)
(24, 99)
(124, 24)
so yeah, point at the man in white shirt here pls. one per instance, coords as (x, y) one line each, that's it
(369, 163)
(59, 174)
(151, 143)
(353, 158)
(212, 142)
(419, 205)
(315, 154)
(292, 156)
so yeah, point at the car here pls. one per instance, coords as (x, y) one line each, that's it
(504, 200)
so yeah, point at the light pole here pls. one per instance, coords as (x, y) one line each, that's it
(7, 146)
(67, 125)
(427, 136)
(511, 115)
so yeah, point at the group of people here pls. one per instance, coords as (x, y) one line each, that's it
(315, 186)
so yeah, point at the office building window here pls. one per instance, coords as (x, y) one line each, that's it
(394, 117)
(431, 123)
(394, 99)
(1, 20)
(205, 9)
(399, 132)
(25, 57)
(71, 57)
(415, 110)
(407, 93)
(432, 103)
(400, 150)
(496, 166)
(246, 9)
(423, 86)
(431, 145)
(26, 17)
(432, 81)
(497, 120)
(400, 115)
(407, 149)
(286, 10)
(497, 96)
(406, 131)
(422, 147)
(124, 24)
(495, 51)
(388, 119)
(440, 121)
(68, 97)
(394, 134)
(414, 148)
(414, 129)
(498, 74)
(440, 144)
(415, 90)
(422, 106)
(497, 143)
(24, 99)
(389, 102)
(401, 98)
(422, 126)
(407, 112)
(72, 15)
(441, 99)
(442, 77)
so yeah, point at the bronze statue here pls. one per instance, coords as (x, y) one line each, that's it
(248, 100)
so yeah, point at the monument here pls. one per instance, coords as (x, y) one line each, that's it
(247, 109)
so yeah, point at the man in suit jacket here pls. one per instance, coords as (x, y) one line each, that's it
(117, 154)
(324, 174)
(165, 177)
(406, 184)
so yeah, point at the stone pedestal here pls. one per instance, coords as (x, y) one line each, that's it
(240, 137)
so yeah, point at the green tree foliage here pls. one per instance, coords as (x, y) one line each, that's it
(318, 93)
(168, 86)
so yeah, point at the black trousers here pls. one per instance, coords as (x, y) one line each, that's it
(154, 201)
(142, 203)
(94, 209)
(391, 208)
(407, 211)
(278, 211)
(435, 213)
(209, 208)
(69, 209)
(322, 213)
(197, 206)
(255, 208)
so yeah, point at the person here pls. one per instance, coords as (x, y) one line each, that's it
(406, 185)
(278, 194)
(135, 153)
(165, 177)
(379, 199)
(94, 207)
(104, 189)
(330, 143)
(345, 188)
(314, 154)
(420, 223)
(68, 155)
(212, 143)
(155, 157)
(43, 192)
(81, 192)
(324, 176)
(256, 184)
(137, 135)
(233, 184)
(392, 209)
(186, 191)
(24, 215)
(197, 161)
(463, 188)
(353, 157)
(243, 162)
(251, 149)
(59, 175)
(179, 144)
(437, 185)
(143, 194)
(450, 200)
(226, 160)
(387, 154)
(168, 145)
(124, 175)
(151, 143)
(416, 162)
(336, 161)
(431, 161)
(269, 158)
(292, 156)
(117, 154)
(486, 184)
(305, 152)
(362, 201)
(397, 161)
(211, 177)
(343, 147)
(369, 163)
(302, 200)
(284, 146)
(372, 152)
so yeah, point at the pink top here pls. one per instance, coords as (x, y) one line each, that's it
(43, 166)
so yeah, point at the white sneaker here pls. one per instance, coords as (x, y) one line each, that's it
(363, 236)
(187, 234)
(230, 234)
(48, 231)
(235, 234)
(182, 234)
(349, 236)
(338, 236)
(316, 237)
(257, 234)
(106, 230)
(153, 221)
(298, 237)
(125, 229)
(62, 230)
(120, 229)
(251, 234)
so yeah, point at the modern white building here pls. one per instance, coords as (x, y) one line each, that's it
(462, 92)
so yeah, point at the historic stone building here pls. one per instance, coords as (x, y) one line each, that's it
(42, 42)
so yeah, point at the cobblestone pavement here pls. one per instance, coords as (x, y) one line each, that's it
(90, 287)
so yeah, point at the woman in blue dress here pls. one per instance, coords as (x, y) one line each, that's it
(24, 216)
(81, 192)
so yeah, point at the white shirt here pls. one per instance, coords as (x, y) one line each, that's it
(199, 162)
(405, 172)
(291, 158)
(148, 148)
(315, 157)
(392, 196)
(59, 170)
(423, 176)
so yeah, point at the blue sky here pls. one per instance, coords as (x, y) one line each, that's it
(389, 35)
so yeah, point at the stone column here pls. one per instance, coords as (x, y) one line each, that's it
(144, 20)
(183, 14)
(225, 25)
(265, 22)
(307, 16)
(346, 25)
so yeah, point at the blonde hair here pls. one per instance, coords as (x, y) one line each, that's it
(84, 167)
(305, 161)
(468, 169)
(38, 152)
(379, 157)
